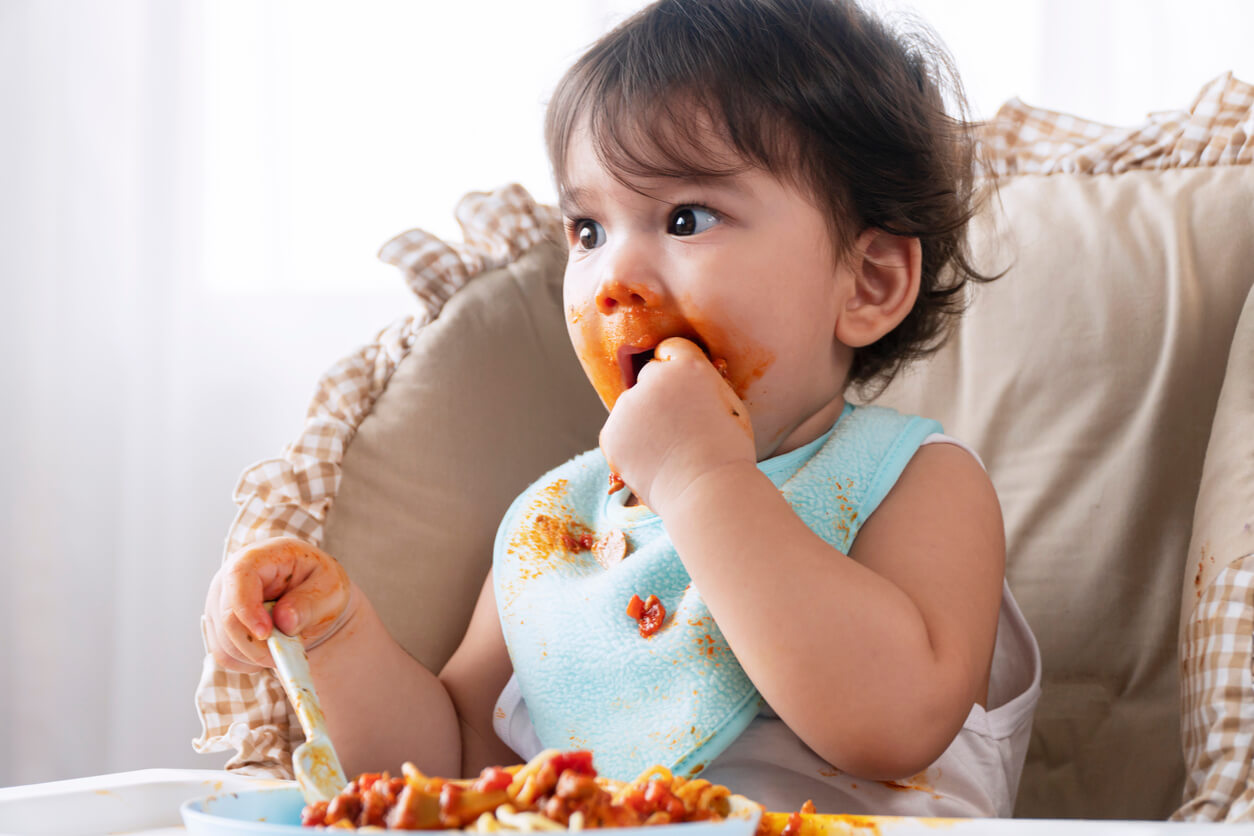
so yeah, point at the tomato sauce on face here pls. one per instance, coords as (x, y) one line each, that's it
(600, 338)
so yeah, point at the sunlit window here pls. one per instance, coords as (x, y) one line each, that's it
(331, 127)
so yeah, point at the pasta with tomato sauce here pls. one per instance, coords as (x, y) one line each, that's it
(553, 791)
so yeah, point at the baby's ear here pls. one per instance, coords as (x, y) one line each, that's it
(885, 283)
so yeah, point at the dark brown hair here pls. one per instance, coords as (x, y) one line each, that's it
(817, 91)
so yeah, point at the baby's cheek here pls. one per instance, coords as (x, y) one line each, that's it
(574, 330)
(598, 358)
(739, 357)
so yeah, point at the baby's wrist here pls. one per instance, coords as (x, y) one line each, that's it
(711, 484)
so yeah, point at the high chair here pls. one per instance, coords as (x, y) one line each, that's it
(1106, 380)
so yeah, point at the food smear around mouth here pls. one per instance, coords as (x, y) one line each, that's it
(606, 342)
(616, 482)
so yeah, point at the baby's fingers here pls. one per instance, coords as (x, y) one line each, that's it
(232, 647)
(242, 604)
(673, 348)
(246, 645)
(231, 643)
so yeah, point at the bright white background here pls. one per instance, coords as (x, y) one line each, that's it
(191, 196)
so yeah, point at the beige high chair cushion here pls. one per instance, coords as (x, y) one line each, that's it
(1086, 378)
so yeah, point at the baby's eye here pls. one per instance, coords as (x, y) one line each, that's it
(589, 234)
(689, 220)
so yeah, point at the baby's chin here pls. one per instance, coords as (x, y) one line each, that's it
(614, 373)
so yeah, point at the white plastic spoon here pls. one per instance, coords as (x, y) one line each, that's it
(315, 763)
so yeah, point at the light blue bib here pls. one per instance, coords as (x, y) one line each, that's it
(679, 697)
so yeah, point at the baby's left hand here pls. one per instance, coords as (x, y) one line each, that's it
(680, 421)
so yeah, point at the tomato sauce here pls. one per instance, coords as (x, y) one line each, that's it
(604, 343)
(650, 613)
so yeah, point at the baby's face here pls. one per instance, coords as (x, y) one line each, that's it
(741, 265)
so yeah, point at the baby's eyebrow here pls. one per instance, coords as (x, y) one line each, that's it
(570, 201)
(731, 182)
(729, 185)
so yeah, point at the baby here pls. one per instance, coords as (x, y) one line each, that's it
(765, 204)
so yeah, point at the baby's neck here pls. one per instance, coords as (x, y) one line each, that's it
(801, 434)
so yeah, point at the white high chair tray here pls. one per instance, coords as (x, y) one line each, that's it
(145, 801)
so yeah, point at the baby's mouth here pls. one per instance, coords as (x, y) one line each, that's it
(631, 359)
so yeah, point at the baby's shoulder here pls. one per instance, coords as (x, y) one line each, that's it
(945, 481)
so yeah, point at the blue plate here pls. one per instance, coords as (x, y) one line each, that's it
(251, 811)
(277, 811)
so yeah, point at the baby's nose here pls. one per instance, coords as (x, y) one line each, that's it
(617, 292)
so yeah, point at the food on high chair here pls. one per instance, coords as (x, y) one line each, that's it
(553, 791)
(649, 612)
(611, 548)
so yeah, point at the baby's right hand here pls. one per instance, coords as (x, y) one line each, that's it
(310, 590)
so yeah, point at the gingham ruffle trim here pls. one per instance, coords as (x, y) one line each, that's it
(497, 228)
(1218, 129)
(1217, 699)
(291, 495)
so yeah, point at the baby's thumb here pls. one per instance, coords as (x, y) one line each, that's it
(299, 613)
(674, 347)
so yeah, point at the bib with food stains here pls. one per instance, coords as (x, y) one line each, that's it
(569, 557)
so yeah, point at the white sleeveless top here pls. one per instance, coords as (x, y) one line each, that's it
(977, 776)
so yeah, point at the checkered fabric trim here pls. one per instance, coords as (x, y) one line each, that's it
(1217, 692)
(291, 495)
(1218, 129)
(497, 228)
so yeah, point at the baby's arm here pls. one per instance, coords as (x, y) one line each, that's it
(874, 659)
(382, 706)
(474, 677)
